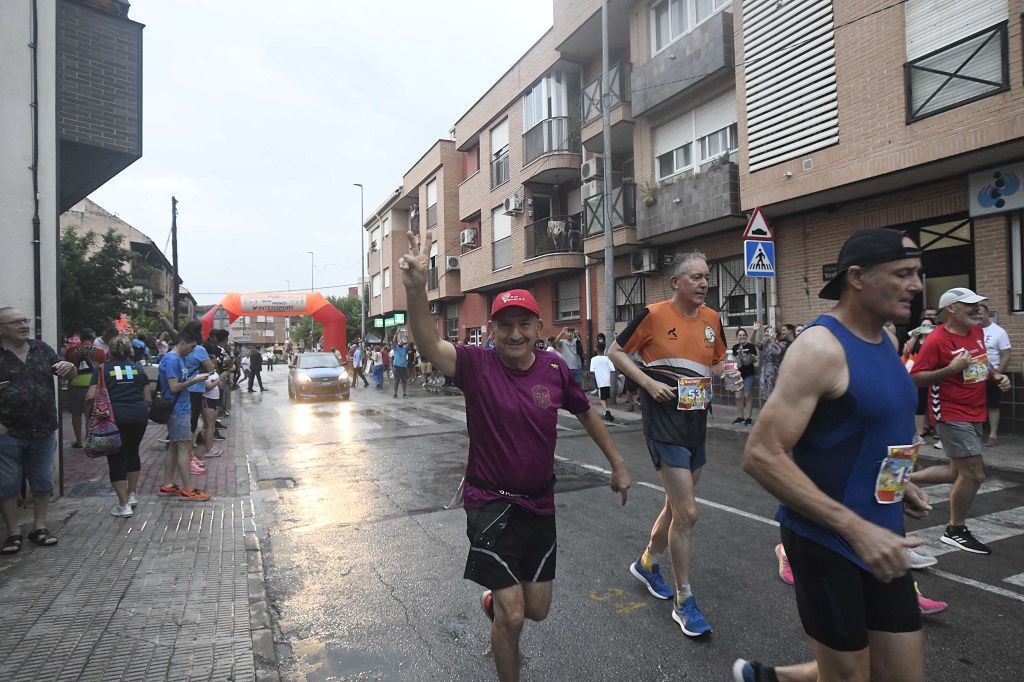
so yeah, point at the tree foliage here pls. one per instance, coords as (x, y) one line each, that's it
(95, 286)
(350, 306)
(307, 332)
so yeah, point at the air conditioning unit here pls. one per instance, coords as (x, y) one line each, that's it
(451, 263)
(513, 204)
(467, 237)
(592, 188)
(644, 260)
(435, 308)
(594, 168)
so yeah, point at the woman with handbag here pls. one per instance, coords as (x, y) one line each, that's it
(130, 397)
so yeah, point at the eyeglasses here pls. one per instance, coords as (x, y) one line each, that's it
(23, 321)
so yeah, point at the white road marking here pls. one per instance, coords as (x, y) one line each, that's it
(1010, 516)
(1015, 579)
(940, 493)
(988, 528)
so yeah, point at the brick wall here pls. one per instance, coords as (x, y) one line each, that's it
(99, 79)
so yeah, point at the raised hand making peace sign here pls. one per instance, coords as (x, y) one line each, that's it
(414, 263)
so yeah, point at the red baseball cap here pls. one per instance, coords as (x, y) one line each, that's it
(515, 298)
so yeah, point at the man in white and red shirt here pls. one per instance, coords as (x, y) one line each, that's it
(954, 363)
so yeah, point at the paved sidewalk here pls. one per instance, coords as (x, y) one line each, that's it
(174, 593)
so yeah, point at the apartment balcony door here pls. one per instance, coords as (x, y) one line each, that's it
(541, 207)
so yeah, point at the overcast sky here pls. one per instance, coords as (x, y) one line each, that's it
(258, 116)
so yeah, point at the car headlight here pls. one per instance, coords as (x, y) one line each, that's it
(343, 376)
(303, 378)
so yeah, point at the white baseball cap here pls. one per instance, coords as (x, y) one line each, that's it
(960, 295)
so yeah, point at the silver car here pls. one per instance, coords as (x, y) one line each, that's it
(315, 375)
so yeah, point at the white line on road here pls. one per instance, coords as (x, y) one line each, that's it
(990, 527)
(1015, 579)
(1009, 515)
(940, 493)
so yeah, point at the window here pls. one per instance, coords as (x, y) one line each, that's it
(374, 239)
(629, 297)
(732, 293)
(568, 300)
(672, 18)
(499, 154)
(1016, 263)
(432, 272)
(451, 321)
(387, 278)
(954, 56)
(432, 203)
(474, 336)
(501, 236)
(676, 161)
(470, 161)
(385, 224)
(375, 285)
(719, 142)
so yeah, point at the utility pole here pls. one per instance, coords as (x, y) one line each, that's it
(606, 148)
(174, 261)
(362, 265)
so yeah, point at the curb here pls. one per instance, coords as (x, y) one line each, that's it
(260, 619)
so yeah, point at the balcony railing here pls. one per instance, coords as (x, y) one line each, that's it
(500, 170)
(503, 253)
(618, 74)
(623, 209)
(560, 134)
(432, 280)
(557, 234)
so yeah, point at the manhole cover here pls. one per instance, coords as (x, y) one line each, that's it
(574, 477)
(269, 483)
(92, 489)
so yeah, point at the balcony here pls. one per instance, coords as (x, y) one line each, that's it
(702, 56)
(623, 209)
(699, 204)
(99, 97)
(500, 170)
(552, 135)
(557, 234)
(618, 74)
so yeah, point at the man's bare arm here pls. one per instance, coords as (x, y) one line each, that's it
(621, 479)
(815, 370)
(625, 364)
(414, 276)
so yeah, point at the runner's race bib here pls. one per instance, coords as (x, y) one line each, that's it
(976, 371)
(694, 393)
(895, 472)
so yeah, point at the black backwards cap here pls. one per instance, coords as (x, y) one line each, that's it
(868, 247)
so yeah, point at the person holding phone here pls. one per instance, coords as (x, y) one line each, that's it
(174, 387)
(28, 420)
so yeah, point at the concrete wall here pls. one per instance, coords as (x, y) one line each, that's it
(691, 201)
(16, 191)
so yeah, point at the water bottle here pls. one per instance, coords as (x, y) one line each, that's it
(731, 376)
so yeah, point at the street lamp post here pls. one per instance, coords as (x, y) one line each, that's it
(310, 270)
(362, 264)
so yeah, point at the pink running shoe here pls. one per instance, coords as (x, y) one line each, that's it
(929, 607)
(785, 572)
(197, 467)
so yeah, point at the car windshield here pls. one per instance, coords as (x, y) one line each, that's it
(313, 360)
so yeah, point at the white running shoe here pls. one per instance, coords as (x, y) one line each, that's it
(121, 512)
(919, 560)
(133, 499)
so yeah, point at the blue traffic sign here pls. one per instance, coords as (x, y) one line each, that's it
(759, 258)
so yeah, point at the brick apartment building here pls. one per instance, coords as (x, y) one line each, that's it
(829, 116)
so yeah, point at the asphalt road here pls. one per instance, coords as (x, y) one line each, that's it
(364, 564)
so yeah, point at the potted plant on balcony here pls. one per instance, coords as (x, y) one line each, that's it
(649, 192)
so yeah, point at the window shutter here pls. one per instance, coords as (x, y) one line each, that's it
(499, 137)
(717, 114)
(790, 78)
(673, 134)
(932, 25)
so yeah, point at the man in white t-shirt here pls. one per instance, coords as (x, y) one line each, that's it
(997, 344)
(602, 369)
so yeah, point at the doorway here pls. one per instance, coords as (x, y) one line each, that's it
(947, 259)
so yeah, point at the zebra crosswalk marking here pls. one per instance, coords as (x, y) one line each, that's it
(940, 493)
(989, 528)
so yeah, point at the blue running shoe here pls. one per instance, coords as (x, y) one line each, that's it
(690, 619)
(652, 579)
(752, 671)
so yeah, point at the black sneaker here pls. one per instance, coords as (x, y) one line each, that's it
(748, 422)
(737, 420)
(961, 538)
(608, 417)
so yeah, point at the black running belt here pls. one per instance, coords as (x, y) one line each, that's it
(505, 492)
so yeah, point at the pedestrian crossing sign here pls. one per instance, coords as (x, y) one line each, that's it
(759, 257)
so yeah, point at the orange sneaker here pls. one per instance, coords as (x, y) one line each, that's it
(194, 495)
(169, 489)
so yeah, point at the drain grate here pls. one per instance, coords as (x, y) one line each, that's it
(271, 483)
(92, 489)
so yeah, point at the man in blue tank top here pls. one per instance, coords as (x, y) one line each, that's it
(844, 405)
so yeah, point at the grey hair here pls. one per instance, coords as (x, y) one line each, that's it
(680, 261)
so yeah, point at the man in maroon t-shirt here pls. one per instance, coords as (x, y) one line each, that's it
(513, 393)
(953, 363)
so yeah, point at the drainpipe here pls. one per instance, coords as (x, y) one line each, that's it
(37, 256)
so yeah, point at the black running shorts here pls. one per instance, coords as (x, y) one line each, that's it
(839, 602)
(509, 545)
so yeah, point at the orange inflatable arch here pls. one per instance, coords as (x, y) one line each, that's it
(285, 304)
